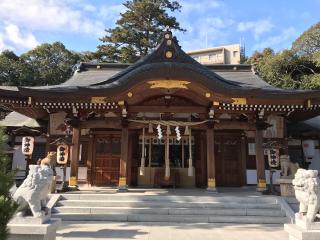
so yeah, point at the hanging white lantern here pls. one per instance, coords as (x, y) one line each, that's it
(62, 154)
(273, 158)
(27, 145)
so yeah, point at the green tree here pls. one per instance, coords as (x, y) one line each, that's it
(7, 205)
(285, 69)
(308, 42)
(51, 63)
(138, 30)
(88, 56)
(14, 71)
(295, 68)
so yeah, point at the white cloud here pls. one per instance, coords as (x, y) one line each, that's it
(89, 8)
(21, 21)
(49, 15)
(207, 32)
(277, 42)
(111, 13)
(203, 29)
(191, 6)
(3, 46)
(14, 35)
(12, 38)
(256, 27)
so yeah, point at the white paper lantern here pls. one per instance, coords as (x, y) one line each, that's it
(273, 158)
(27, 145)
(62, 154)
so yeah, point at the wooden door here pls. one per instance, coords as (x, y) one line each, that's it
(107, 160)
(228, 160)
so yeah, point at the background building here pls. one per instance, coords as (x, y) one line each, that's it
(227, 54)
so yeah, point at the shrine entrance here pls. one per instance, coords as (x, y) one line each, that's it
(154, 169)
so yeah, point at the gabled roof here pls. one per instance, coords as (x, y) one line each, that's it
(238, 74)
(167, 61)
(15, 119)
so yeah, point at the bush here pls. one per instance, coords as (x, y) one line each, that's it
(7, 205)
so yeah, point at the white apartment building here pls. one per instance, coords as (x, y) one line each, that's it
(228, 54)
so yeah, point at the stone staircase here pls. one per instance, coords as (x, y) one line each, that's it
(214, 208)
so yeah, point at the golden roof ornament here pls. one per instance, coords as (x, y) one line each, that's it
(169, 51)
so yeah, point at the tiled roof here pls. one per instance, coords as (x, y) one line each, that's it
(15, 119)
(240, 75)
(106, 78)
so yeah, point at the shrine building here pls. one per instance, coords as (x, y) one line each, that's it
(165, 120)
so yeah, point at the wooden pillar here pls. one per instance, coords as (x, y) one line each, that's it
(285, 149)
(261, 178)
(74, 157)
(211, 161)
(243, 160)
(123, 159)
(89, 160)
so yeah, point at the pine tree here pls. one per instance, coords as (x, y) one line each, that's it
(7, 205)
(138, 31)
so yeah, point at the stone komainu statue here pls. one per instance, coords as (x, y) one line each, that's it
(288, 168)
(33, 192)
(307, 190)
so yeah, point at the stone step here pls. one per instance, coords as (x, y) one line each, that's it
(174, 198)
(163, 204)
(171, 218)
(171, 211)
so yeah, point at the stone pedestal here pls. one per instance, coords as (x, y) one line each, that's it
(298, 233)
(30, 228)
(286, 187)
(303, 230)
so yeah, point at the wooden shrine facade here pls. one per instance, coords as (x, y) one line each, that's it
(118, 112)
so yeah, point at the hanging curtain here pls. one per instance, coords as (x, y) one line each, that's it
(190, 168)
(143, 160)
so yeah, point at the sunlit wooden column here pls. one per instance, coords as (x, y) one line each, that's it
(260, 165)
(89, 159)
(74, 157)
(211, 173)
(123, 159)
(285, 148)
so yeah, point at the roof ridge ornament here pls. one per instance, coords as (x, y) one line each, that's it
(169, 50)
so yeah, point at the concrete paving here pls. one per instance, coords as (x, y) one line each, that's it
(168, 231)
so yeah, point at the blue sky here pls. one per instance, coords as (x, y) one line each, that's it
(80, 23)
